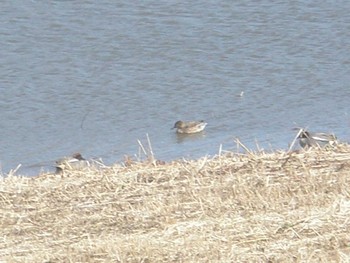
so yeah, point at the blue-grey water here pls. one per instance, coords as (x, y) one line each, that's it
(96, 76)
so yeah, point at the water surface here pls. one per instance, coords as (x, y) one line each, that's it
(95, 77)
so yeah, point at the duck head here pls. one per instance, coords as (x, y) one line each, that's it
(178, 124)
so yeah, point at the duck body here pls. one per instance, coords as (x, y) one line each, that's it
(188, 127)
(309, 139)
(76, 161)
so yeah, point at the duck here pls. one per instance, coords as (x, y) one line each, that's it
(308, 139)
(188, 127)
(76, 161)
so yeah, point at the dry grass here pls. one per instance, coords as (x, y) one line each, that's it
(258, 207)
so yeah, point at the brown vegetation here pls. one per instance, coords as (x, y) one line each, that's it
(256, 207)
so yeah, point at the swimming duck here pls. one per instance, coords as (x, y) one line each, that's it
(76, 161)
(309, 139)
(190, 126)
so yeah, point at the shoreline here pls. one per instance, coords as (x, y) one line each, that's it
(232, 207)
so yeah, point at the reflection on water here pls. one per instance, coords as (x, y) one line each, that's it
(181, 138)
(95, 77)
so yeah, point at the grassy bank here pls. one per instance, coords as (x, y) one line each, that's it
(257, 207)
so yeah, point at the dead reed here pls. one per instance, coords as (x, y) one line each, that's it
(254, 207)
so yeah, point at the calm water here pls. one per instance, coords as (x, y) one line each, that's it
(96, 76)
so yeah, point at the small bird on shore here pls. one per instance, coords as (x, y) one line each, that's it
(76, 161)
(190, 126)
(309, 139)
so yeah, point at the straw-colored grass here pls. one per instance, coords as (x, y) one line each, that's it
(255, 207)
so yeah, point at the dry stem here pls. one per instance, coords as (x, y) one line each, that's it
(259, 207)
